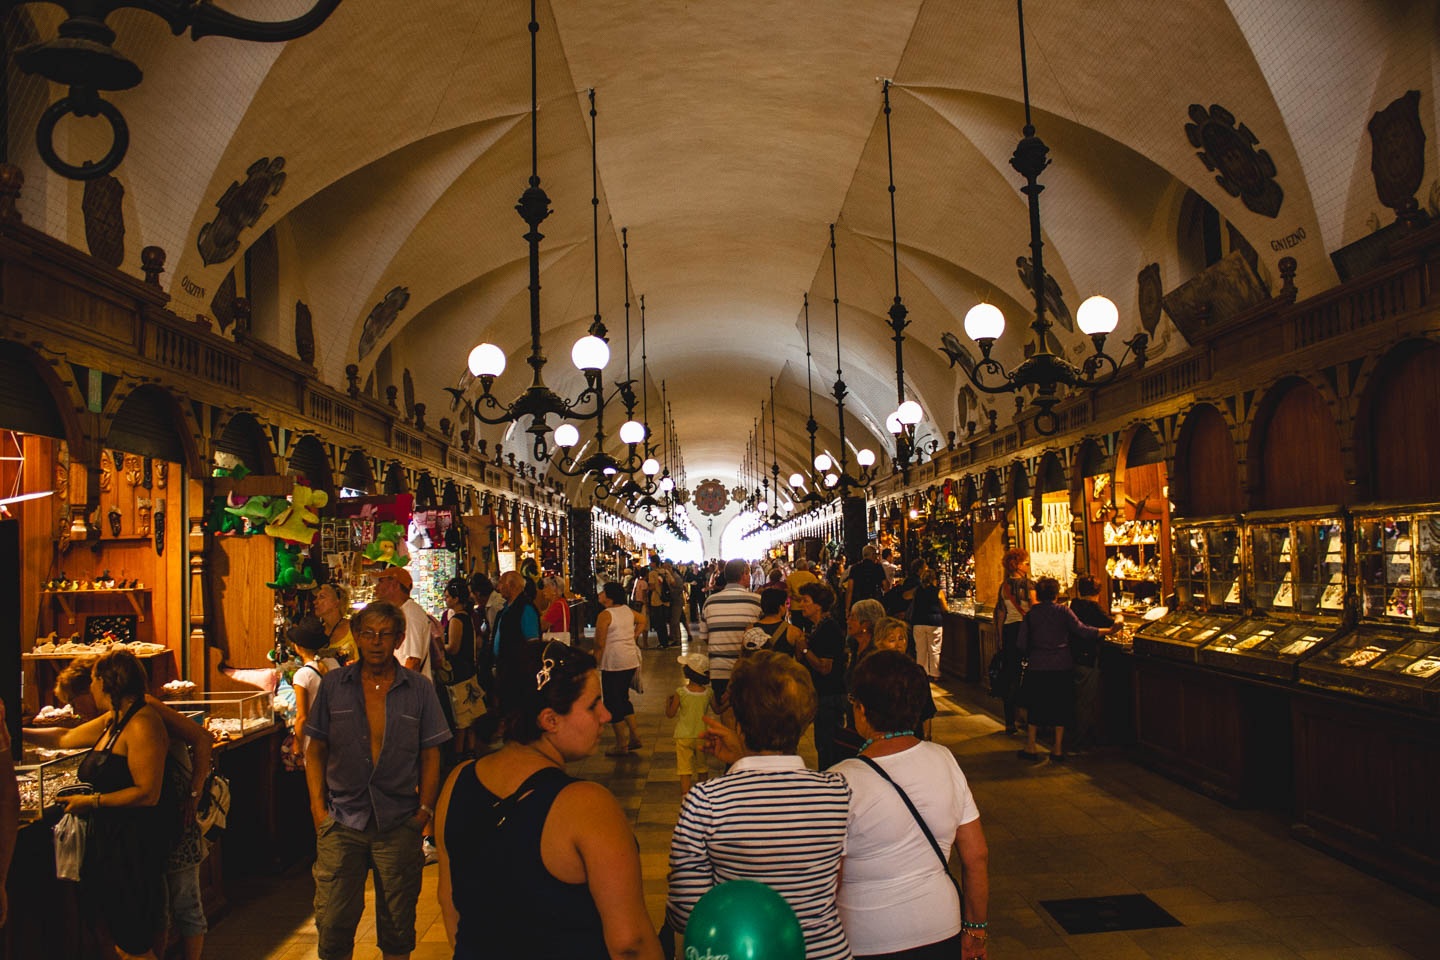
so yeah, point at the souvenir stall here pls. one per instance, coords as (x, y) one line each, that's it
(989, 524)
(1046, 525)
(948, 539)
(1127, 524)
(433, 538)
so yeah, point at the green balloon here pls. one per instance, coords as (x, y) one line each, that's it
(743, 920)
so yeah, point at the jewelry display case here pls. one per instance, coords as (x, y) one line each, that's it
(1268, 647)
(1396, 666)
(45, 774)
(229, 715)
(1205, 557)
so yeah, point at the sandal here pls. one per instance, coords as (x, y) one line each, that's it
(1028, 756)
(635, 746)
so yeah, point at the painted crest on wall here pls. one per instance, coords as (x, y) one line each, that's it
(710, 497)
(304, 333)
(1397, 155)
(1150, 297)
(240, 206)
(382, 315)
(104, 220)
(1229, 150)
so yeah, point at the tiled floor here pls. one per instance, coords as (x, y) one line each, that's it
(1098, 826)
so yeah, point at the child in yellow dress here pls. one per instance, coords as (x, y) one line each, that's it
(689, 704)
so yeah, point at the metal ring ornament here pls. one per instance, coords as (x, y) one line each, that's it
(82, 104)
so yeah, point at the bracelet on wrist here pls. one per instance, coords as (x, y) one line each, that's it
(980, 935)
(970, 925)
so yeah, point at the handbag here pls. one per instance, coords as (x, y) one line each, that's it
(467, 701)
(637, 684)
(71, 833)
(213, 809)
(924, 827)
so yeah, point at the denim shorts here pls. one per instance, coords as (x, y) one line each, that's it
(184, 912)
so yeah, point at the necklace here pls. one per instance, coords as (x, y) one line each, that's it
(383, 678)
(889, 736)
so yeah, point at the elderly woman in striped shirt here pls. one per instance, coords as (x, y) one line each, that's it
(769, 818)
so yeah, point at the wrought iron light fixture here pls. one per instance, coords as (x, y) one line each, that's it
(984, 323)
(590, 353)
(83, 58)
(815, 495)
(901, 423)
(837, 474)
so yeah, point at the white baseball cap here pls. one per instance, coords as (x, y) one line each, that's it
(697, 662)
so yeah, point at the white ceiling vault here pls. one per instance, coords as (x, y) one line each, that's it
(730, 135)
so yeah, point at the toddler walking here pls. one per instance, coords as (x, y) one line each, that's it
(689, 704)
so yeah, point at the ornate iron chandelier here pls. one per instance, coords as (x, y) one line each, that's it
(83, 58)
(1044, 370)
(590, 353)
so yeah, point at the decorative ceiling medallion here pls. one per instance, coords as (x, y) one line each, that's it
(1150, 297)
(240, 206)
(738, 494)
(1244, 172)
(382, 315)
(710, 497)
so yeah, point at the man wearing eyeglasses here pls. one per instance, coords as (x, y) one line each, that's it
(373, 770)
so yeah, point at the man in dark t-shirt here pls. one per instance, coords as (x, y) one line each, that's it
(1087, 609)
(823, 652)
(866, 580)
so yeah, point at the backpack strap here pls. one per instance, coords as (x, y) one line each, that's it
(924, 827)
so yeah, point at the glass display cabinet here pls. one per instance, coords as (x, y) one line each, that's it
(45, 774)
(1393, 654)
(229, 714)
(1206, 562)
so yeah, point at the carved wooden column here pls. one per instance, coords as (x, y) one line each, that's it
(197, 545)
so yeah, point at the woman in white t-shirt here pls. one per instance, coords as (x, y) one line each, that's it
(896, 898)
(615, 630)
(307, 637)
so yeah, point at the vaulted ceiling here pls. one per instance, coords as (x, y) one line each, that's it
(729, 136)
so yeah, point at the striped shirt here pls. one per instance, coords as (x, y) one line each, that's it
(723, 622)
(771, 820)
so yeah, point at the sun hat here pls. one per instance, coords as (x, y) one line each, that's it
(697, 662)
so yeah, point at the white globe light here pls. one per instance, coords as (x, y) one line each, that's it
(865, 457)
(1097, 315)
(667, 484)
(831, 479)
(590, 353)
(632, 431)
(650, 467)
(823, 462)
(893, 424)
(984, 322)
(909, 413)
(487, 360)
(797, 480)
(608, 471)
(566, 435)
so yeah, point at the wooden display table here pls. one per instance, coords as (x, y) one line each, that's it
(960, 646)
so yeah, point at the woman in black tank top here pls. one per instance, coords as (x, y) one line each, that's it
(522, 844)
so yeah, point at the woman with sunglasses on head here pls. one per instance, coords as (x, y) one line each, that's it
(535, 863)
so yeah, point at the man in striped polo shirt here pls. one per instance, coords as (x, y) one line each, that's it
(724, 618)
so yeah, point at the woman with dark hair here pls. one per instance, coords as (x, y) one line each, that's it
(768, 818)
(1086, 654)
(897, 899)
(459, 630)
(927, 610)
(616, 629)
(1017, 595)
(535, 863)
(1048, 692)
(783, 635)
(134, 812)
(823, 652)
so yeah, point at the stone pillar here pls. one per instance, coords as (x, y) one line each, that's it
(855, 525)
(582, 562)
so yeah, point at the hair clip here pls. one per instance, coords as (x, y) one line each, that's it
(547, 663)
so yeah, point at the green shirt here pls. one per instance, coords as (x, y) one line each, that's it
(690, 719)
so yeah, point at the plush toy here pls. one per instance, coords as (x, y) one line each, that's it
(292, 570)
(237, 472)
(298, 523)
(256, 512)
(389, 546)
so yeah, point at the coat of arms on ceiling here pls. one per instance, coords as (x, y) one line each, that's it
(382, 315)
(1242, 170)
(240, 206)
(739, 493)
(1397, 156)
(710, 497)
(1054, 301)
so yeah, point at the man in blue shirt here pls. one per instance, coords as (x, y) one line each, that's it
(373, 769)
(518, 621)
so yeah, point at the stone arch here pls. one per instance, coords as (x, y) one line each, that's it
(135, 399)
(307, 457)
(1197, 446)
(241, 433)
(1313, 467)
(355, 472)
(1394, 450)
(30, 378)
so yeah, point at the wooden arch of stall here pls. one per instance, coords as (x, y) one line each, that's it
(1395, 435)
(246, 439)
(308, 460)
(41, 436)
(395, 480)
(1294, 450)
(356, 473)
(1207, 476)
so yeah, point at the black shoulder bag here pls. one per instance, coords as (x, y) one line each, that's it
(924, 827)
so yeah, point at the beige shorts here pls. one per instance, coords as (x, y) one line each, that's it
(689, 758)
